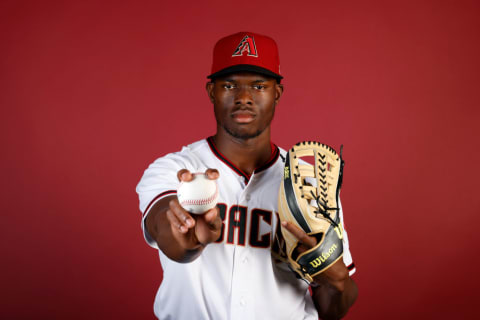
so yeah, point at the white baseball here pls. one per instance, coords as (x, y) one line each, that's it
(199, 195)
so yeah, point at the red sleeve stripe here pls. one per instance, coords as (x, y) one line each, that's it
(161, 195)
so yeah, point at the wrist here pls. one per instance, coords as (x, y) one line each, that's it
(335, 284)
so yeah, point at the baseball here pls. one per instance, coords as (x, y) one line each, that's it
(199, 195)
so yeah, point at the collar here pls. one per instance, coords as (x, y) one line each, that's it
(273, 158)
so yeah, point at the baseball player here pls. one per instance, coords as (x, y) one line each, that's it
(219, 265)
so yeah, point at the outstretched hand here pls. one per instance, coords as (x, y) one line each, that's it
(194, 231)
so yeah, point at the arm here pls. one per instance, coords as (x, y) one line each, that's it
(333, 291)
(180, 235)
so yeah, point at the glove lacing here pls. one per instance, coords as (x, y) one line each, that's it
(323, 212)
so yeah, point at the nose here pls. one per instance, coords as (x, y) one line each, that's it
(243, 96)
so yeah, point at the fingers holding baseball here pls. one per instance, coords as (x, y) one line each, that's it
(212, 174)
(193, 230)
(195, 212)
(208, 226)
(179, 217)
(184, 175)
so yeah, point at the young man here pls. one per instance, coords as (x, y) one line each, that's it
(218, 265)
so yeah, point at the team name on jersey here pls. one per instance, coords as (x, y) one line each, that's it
(234, 226)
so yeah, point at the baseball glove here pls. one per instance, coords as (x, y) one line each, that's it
(308, 198)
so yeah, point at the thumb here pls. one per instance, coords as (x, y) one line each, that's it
(211, 215)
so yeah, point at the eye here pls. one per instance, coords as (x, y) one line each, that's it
(259, 86)
(228, 86)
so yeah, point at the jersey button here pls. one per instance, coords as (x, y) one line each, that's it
(245, 260)
(247, 197)
(242, 302)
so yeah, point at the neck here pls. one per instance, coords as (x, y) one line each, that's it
(245, 154)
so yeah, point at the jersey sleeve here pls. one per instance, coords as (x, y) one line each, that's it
(160, 181)
(347, 255)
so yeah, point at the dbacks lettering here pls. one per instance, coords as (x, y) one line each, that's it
(236, 230)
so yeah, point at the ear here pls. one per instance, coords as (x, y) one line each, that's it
(209, 87)
(278, 92)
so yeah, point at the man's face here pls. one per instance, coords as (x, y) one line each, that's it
(244, 103)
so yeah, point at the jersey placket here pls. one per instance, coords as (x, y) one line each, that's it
(242, 297)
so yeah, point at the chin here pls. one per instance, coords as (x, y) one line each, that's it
(243, 135)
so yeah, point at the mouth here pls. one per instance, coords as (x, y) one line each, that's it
(243, 116)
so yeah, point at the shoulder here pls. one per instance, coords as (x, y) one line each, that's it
(188, 154)
(167, 166)
(282, 151)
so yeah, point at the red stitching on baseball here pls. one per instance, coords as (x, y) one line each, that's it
(201, 201)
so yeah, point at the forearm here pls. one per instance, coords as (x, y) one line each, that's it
(160, 229)
(334, 299)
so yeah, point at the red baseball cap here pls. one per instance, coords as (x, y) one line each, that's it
(246, 51)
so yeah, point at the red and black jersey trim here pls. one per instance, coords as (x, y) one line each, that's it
(268, 164)
(225, 160)
(272, 160)
(161, 195)
(351, 266)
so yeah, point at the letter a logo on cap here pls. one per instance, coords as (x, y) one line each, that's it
(247, 44)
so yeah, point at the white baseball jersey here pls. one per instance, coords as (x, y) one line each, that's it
(236, 276)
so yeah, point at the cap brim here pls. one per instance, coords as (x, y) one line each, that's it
(244, 67)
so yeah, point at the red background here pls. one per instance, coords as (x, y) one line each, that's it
(91, 93)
